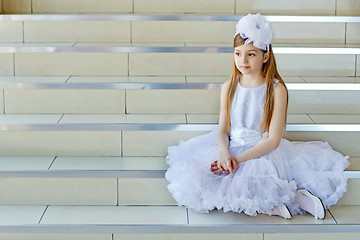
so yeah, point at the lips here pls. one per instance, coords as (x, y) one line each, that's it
(244, 67)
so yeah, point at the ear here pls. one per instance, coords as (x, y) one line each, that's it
(266, 57)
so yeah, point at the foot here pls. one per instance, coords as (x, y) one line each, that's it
(319, 210)
(284, 211)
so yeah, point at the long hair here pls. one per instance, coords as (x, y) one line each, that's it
(269, 72)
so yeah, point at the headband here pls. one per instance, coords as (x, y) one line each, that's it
(254, 28)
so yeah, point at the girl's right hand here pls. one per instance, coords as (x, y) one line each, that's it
(225, 164)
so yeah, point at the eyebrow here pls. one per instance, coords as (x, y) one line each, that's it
(247, 51)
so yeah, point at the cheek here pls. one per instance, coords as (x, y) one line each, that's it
(237, 62)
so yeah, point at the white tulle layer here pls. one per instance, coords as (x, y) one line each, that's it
(258, 185)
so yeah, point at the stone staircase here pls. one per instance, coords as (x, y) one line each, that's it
(93, 93)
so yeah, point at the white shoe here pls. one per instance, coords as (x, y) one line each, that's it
(319, 207)
(284, 211)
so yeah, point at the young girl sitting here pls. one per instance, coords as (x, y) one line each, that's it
(245, 165)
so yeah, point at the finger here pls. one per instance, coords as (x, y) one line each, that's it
(219, 166)
(214, 168)
(229, 165)
(234, 163)
(217, 171)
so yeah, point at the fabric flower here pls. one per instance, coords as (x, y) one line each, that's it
(254, 28)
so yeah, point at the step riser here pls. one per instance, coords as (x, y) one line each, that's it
(194, 64)
(65, 101)
(178, 101)
(307, 7)
(153, 143)
(169, 32)
(111, 191)
(68, 143)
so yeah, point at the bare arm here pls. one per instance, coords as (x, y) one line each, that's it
(223, 133)
(276, 128)
(225, 161)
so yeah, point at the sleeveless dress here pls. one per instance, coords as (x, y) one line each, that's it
(260, 184)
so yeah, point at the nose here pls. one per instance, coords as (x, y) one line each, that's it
(243, 58)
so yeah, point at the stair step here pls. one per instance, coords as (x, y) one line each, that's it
(180, 29)
(148, 98)
(198, 7)
(167, 219)
(196, 61)
(103, 190)
(13, 81)
(279, 49)
(117, 139)
(170, 28)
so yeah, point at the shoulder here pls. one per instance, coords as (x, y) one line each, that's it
(280, 91)
(226, 84)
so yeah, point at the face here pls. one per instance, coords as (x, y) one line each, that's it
(249, 59)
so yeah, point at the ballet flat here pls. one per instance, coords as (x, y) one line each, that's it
(319, 206)
(284, 211)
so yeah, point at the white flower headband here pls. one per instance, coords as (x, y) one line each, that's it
(256, 29)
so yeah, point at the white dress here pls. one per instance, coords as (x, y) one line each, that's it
(260, 184)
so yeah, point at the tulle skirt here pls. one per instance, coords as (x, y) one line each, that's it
(258, 185)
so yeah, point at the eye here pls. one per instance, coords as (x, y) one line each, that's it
(238, 54)
(251, 54)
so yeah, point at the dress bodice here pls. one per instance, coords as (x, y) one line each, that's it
(246, 113)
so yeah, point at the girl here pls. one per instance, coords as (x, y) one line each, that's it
(245, 165)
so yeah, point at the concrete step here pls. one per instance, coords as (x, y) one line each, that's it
(117, 139)
(13, 81)
(25, 119)
(196, 61)
(307, 7)
(38, 180)
(171, 28)
(181, 98)
(164, 222)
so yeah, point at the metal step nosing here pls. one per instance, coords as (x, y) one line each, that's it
(183, 228)
(165, 127)
(114, 49)
(157, 17)
(190, 86)
(104, 174)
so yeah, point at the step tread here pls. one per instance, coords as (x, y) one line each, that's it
(35, 45)
(102, 166)
(77, 218)
(205, 48)
(40, 163)
(159, 118)
(108, 16)
(161, 79)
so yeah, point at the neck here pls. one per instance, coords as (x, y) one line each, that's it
(251, 80)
